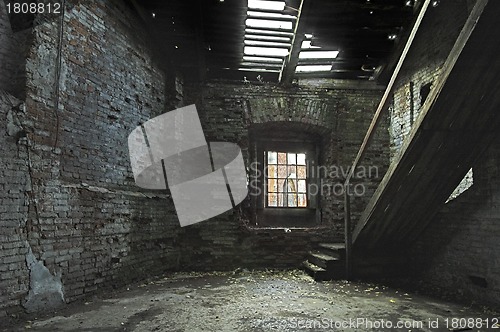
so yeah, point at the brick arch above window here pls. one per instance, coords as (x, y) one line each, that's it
(316, 112)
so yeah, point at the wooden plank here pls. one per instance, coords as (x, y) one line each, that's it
(420, 195)
(291, 61)
(402, 181)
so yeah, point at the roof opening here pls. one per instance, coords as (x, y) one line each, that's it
(266, 5)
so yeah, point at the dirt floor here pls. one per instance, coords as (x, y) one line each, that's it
(259, 301)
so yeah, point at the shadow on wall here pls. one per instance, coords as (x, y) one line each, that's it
(457, 254)
(15, 39)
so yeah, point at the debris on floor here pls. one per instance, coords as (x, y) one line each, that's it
(244, 300)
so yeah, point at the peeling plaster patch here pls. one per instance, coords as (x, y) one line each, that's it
(46, 290)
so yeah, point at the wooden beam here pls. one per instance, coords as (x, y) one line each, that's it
(385, 98)
(291, 61)
(347, 234)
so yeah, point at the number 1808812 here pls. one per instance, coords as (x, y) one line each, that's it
(33, 8)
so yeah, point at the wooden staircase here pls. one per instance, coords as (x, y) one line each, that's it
(327, 262)
(458, 121)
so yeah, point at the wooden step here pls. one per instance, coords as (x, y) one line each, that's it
(333, 246)
(316, 272)
(323, 260)
(336, 250)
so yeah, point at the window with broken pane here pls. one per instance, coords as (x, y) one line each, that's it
(286, 179)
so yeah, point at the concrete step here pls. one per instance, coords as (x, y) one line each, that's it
(316, 272)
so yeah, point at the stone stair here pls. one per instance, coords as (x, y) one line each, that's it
(327, 262)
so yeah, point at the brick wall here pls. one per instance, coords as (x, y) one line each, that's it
(68, 192)
(340, 112)
(82, 215)
(14, 198)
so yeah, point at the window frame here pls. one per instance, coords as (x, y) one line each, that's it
(264, 216)
(287, 166)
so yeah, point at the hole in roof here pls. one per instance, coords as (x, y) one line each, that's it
(318, 54)
(261, 59)
(266, 5)
(270, 15)
(269, 32)
(265, 43)
(313, 68)
(269, 24)
(266, 51)
(270, 38)
(259, 70)
(308, 44)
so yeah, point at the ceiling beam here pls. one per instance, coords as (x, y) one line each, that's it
(291, 61)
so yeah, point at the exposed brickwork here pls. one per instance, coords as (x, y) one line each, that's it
(67, 187)
(84, 216)
(14, 198)
(93, 223)
(341, 114)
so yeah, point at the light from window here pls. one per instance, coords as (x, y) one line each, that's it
(286, 179)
